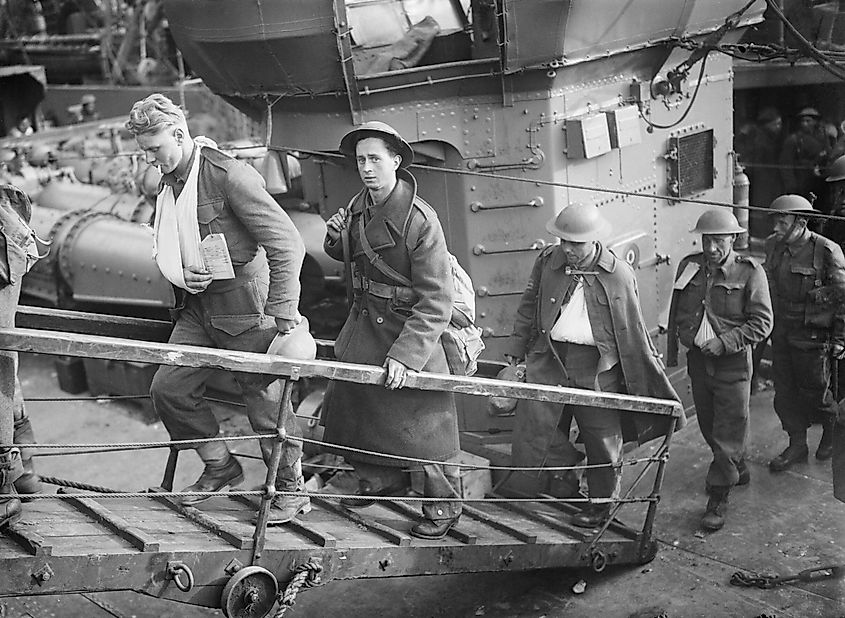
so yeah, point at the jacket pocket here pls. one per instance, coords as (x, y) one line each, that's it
(234, 325)
(727, 298)
(207, 213)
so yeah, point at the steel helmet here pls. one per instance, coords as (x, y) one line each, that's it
(579, 223)
(791, 203)
(836, 171)
(375, 128)
(812, 112)
(298, 344)
(718, 221)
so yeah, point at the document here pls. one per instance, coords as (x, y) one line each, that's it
(215, 254)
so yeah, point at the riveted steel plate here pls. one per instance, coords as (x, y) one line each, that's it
(471, 129)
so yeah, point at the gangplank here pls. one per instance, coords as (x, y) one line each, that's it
(80, 540)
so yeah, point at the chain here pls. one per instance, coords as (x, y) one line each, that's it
(751, 580)
(307, 576)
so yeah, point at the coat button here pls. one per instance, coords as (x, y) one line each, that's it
(552, 300)
(440, 511)
(365, 312)
(543, 330)
(379, 320)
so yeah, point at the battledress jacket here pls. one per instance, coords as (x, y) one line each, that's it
(232, 200)
(618, 329)
(406, 232)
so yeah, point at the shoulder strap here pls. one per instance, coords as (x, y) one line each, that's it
(347, 254)
(376, 259)
(818, 259)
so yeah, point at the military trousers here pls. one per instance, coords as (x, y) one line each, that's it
(802, 373)
(600, 429)
(177, 392)
(721, 390)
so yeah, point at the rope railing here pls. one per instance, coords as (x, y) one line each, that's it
(100, 447)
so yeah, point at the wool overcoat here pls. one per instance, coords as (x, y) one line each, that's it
(407, 234)
(618, 329)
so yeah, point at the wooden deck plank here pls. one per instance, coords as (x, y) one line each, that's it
(395, 536)
(118, 525)
(303, 528)
(229, 533)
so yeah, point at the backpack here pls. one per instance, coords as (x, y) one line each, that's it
(462, 338)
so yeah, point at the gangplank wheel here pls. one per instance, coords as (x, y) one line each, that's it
(251, 593)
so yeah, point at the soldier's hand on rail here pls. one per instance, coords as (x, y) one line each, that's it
(396, 373)
(196, 278)
(838, 351)
(512, 360)
(713, 347)
(285, 325)
(335, 224)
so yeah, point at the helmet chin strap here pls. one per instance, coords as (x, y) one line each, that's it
(798, 222)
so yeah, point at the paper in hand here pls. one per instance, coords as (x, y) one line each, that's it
(215, 254)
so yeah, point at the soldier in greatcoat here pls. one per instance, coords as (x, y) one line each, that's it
(579, 324)
(806, 275)
(395, 326)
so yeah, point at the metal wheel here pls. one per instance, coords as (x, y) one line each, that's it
(251, 593)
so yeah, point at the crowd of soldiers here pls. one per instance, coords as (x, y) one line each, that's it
(579, 324)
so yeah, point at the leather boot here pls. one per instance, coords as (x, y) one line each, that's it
(825, 450)
(285, 508)
(593, 516)
(29, 482)
(796, 452)
(217, 476)
(717, 508)
(10, 470)
(433, 530)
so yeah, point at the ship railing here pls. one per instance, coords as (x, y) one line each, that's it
(75, 334)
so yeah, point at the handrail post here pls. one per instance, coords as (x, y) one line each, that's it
(170, 469)
(663, 457)
(260, 534)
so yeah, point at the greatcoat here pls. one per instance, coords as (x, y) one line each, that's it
(618, 329)
(407, 327)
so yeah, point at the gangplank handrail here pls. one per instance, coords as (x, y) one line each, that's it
(63, 343)
(113, 348)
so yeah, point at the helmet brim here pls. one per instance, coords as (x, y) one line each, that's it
(351, 139)
(601, 233)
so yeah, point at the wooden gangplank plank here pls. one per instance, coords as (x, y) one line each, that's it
(392, 535)
(322, 539)
(546, 519)
(227, 533)
(491, 521)
(138, 538)
(29, 540)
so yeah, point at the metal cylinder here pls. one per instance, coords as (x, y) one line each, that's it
(741, 190)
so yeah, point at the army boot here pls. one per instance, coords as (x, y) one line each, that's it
(795, 453)
(221, 472)
(286, 507)
(825, 450)
(717, 508)
(29, 482)
(10, 470)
